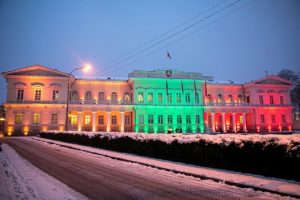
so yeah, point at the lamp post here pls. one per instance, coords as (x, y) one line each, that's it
(84, 68)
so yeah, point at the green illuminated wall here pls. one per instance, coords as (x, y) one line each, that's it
(186, 102)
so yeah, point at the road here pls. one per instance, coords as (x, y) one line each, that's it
(98, 177)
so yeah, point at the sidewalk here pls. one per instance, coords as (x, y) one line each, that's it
(256, 182)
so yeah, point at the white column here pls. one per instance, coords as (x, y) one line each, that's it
(108, 120)
(94, 121)
(79, 121)
(213, 122)
(244, 122)
(223, 123)
(122, 121)
(233, 122)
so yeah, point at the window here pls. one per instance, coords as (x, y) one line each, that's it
(74, 95)
(248, 99)
(271, 100)
(88, 96)
(87, 120)
(113, 120)
(230, 98)
(127, 97)
(150, 97)
(197, 98)
(187, 97)
(140, 97)
(114, 97)
(54, 119)
(197, 119)
(273, 119)
(20, 94)
(178, 97)
(281, 100)
(209, 98)
(55, 95)
(73, 119)
(240, 99)
(262, 119)
(127, 120)
(179, 119)
(188, 119)
(241, 120)
(219, 100)
(101, 96)
(36, 118)
(160, 119)
(150, 119)
(141, 119)
(101, 120)
(169, 96)
(159, 97)
(170, 120)
(261, 99)
(19, 118)
(283, 119)
(37, 95)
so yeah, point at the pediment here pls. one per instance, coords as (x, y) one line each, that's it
(36, 70)
(272, 80)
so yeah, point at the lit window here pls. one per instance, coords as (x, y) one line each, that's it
(73, 119)
(126, 97)
(230, 99)
(262, 119)
(188, 119)
(150, 97)
(261, 99)
(271, 100)
(170, 120)
(87, 120)
(179, 119)
(127, 120)
(241, 119)
(101, 96)
(113, 120)
(209, 100)
(240, 99)
(178, 97)
(37, 95)
(169, 96)
(159, 97)
(150, 119)
(273, 119)
(55, 95)
(36, 118)
(220, 99)
(160, 119)
(187, 97)
(20, 94)
(54, 119)
(140, 97)
(101, 120)
(18, 118)
(283, 119)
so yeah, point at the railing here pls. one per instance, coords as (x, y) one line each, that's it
(37, 101)
(106, 102)
(244, 104)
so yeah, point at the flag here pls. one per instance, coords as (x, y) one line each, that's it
(168, 55)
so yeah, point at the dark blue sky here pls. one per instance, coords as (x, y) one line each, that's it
(63, 34)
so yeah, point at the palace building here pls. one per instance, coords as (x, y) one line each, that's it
(159, 101)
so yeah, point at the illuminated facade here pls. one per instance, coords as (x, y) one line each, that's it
(160, 101)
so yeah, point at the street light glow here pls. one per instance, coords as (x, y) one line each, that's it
(86, 68)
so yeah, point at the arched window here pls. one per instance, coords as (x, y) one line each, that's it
(140, 97)
(240, 98)
(88, 96)
(126, 97)
(74, 95)
(101, 96)
(220, 99)
(208, 98)
(114, 97)
(230, 98)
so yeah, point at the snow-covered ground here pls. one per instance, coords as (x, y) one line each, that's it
(19, 179)
(254, 181)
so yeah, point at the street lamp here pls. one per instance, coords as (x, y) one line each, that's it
(84, 68)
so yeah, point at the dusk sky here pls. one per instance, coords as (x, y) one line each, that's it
(227, 39)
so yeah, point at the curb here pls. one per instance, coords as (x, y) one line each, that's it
(240, 185)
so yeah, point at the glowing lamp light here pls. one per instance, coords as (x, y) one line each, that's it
(290, 128)
(269, 127)
(86, 68)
